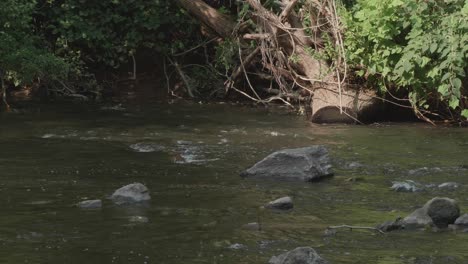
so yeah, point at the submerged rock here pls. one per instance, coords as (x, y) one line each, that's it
(237, 246)
(406, 186)
(424, 171)
(131, 193)
(90, 204)
(300, 255)
(283, 203)
(138, 219)
(301, 164)
(254, 226)
(146, 147)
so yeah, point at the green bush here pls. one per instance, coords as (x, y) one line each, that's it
(23, 57)
(109, 32)
(420, 46)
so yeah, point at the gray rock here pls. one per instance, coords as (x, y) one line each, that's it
(131, 193)
(406, 186)
(448, 185)
(301, 164)
(417, 219)
(440, 212)
(90, 204)
(300, 255)
(462, 220)
(443, 211)
(283, 203)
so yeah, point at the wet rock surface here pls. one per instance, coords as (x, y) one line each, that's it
(300, 255)
(301, 164)
(131, 193)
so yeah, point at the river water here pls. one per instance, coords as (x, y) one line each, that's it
(190, 157)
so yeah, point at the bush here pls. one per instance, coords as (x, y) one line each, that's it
(420, 46)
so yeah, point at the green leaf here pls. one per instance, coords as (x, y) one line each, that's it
(454, 102)
(457, 83)
(464, 113)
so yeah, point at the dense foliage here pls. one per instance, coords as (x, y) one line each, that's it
(23, 54)
(420, 46)
(70, 41)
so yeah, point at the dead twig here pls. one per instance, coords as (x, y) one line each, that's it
(356, 227)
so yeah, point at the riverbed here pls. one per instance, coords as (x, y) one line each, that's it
(190, 157)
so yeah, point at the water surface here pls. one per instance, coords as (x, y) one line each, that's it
(190, 157)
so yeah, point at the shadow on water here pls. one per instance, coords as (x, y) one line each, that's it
(190, 157)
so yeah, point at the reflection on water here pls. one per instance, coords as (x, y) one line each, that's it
(190, 158)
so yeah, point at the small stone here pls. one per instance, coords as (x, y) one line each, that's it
(237, 246)
(90, 204)
(284, 203)
(406, 186)
(131, 193)
(462, 220)
(448, 185)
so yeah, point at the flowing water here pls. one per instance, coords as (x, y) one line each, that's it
(190, 157)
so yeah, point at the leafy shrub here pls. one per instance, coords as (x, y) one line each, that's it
(421, 46)
(22, 53)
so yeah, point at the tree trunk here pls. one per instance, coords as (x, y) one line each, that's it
(222, 24)
(287, 53)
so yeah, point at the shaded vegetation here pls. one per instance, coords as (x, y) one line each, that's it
(413, 53)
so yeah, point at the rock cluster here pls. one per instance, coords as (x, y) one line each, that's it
(438, 212)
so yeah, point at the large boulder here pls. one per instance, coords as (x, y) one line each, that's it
(300, 255)
(442, 211)
(300, 164)
(131, 193)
